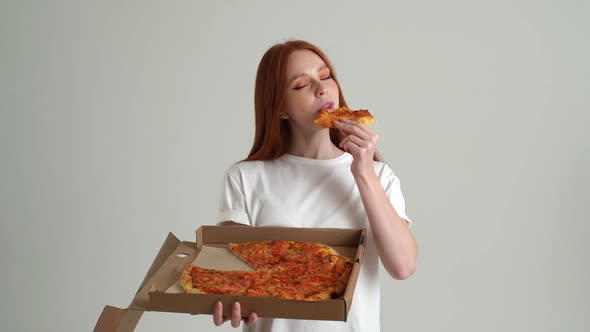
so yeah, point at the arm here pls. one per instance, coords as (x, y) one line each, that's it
(395, 243)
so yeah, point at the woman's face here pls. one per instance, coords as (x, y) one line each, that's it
(310, 88)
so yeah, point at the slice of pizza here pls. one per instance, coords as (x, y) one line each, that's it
(315, 280)
(307, 287)
(198, 280)
(308, 252)
(319, 287)
(327, 117)
(266, 254)
(261, 254)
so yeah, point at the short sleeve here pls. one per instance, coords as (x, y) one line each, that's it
(232, 206)
(392, 186)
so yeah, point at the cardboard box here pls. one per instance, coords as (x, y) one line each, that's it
(160, 290)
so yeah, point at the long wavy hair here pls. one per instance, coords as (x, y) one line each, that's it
(272, 135)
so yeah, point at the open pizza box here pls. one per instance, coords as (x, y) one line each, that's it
(161, 291)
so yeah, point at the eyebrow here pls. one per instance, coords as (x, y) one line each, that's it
(302, 75)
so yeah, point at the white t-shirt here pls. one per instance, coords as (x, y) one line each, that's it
(294, 191)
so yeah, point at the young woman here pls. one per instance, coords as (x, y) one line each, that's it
(301, 175)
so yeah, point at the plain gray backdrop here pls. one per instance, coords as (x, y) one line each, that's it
(119, 119)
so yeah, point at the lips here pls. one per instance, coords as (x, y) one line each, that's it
(327, 105)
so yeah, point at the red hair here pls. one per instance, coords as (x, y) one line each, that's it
(272, 136)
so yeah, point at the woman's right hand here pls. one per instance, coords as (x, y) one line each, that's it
(236, 316)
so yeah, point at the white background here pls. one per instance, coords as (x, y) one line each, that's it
(119, 119)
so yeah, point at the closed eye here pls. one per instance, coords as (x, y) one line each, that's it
(300, 87)
(327, 77)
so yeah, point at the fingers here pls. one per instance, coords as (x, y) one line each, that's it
(352, 139)
(351, 148)
(354, 143)
(236, 314)
(354, 127)
(251, 320)
(218, 319)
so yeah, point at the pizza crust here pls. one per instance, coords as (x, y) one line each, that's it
(186, 281)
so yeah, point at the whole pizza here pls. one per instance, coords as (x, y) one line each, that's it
(283, 269)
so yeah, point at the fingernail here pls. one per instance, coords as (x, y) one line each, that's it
(235, 305)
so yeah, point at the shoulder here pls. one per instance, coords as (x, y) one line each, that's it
(249, 168)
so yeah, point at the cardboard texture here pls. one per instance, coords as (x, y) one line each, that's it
(160, 290)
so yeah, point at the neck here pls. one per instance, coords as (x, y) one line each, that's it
(313, 145)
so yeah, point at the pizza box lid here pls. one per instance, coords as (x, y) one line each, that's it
(160, 291)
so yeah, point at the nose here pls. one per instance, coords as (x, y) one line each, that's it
(321, 89)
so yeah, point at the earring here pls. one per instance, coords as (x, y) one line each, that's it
(284, 116)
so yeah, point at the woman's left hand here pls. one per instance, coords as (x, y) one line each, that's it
(361, 142)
